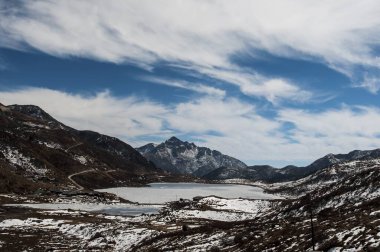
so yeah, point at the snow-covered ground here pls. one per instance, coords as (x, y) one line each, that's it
(159, 193)
(89, 236)
(123, 232)
(44, 223)
(212, 215)
(238, 205)
(221, 209)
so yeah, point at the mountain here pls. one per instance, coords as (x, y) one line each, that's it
(37, 151)
(269, 174)
(176, 156)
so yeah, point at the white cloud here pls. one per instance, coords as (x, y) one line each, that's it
(227, 116)
(335, 130)
(252, 84)
(200, 33)
(229, 125)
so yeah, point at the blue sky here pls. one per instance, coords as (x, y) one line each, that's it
(275, 82)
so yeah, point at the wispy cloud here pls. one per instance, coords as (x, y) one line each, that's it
(341, 34)
(253, 84)
(371, 83)
(195, 87)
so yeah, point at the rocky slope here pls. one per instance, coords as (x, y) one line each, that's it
(38, 151)
(176, 156)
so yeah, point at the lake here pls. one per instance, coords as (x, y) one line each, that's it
(160, 193)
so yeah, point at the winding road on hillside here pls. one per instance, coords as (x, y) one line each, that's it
(70, 177)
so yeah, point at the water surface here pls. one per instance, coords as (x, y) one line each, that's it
(159, 193)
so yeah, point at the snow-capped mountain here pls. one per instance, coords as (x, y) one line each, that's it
(176, 156)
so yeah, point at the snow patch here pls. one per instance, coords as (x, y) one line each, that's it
(240, 205)
(35, 125)
(17, 158)
(30, 222)
(81, 159)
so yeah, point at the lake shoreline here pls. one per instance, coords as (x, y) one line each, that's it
(168, 192)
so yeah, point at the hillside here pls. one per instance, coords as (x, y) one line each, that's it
(38, 151)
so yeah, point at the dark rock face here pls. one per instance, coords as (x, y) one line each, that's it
(39, 148)
(176, 156)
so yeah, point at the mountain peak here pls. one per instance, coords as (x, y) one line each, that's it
(174, 139)
(33, 111)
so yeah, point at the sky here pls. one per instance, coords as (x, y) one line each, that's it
(266, 81)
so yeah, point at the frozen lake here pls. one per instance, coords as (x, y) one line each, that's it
(159, 193)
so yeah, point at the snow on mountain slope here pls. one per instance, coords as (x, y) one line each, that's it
(347, 184)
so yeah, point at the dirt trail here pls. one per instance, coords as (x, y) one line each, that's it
(70, 177)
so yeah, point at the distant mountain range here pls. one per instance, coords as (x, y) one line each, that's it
(270, 174)
(38, 151)
(177, 156)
